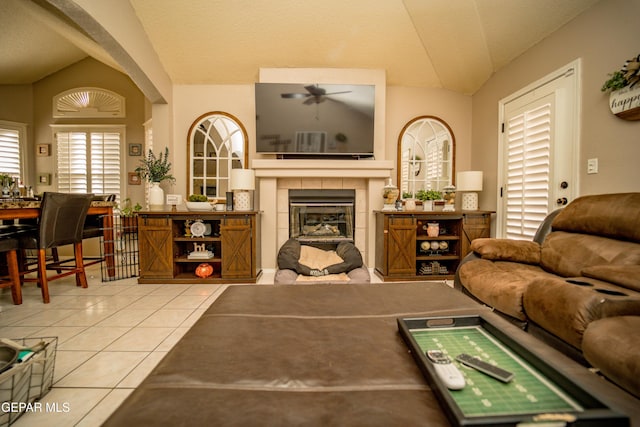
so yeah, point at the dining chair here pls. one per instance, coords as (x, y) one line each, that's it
(93, 227)
(61, 222)
(9, 245)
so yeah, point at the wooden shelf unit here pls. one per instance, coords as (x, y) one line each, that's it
(403, 246)
(165, 243)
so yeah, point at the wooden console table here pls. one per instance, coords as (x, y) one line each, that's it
(165, 242)
(405, 251)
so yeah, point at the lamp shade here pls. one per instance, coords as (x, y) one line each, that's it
(469, 181)
(243, 179)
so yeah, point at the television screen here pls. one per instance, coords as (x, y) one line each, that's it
(315, 119)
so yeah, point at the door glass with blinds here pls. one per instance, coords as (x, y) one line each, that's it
(89, 160)
(538, 154)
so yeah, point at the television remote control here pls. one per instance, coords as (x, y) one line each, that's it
(486, 368)
(450, 375)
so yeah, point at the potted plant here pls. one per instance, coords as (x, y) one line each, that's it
(427, 197)
(409, 201)
(624, 100)
(198, 202)
(155, 170)
(129, 215)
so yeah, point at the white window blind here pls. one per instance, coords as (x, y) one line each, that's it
(105, 163)
(528, 171)
(72, 162)
(10, 151)
(89, 162)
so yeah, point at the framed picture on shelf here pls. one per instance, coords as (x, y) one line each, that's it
(135, 149)
(134, 178)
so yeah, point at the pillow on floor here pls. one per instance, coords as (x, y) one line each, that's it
(318, 259)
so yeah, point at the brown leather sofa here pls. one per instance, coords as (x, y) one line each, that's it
(576, 285)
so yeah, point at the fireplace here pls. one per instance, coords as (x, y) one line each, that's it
(322, 217)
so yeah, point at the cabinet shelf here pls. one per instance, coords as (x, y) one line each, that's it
(438, 238)
(196, 239)
(437, 257)
(198, 261)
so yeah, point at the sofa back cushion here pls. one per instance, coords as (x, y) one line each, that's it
(568, 254)
(616, 216)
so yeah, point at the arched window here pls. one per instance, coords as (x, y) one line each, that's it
(88, 102)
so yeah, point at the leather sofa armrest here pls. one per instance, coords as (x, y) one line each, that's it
(507, 250)
(457, 282)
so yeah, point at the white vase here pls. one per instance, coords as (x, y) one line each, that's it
(156, 197)
(427, 205)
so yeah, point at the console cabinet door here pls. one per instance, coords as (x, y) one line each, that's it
(155, 243)
(401, 246)
(237, 243)
(475, 225)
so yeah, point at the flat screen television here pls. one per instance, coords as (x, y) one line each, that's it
(306, 120)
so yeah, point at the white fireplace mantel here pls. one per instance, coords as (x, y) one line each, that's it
(296, 168)
(272, 174)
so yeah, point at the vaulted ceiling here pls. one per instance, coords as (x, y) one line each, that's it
(451, 44)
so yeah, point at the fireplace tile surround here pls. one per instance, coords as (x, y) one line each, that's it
(276, 177)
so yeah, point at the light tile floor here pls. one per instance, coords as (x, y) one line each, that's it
(110, 336)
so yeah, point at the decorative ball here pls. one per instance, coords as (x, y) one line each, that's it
(435, 245)
(425, 246)
(204, 270)
(444, 246)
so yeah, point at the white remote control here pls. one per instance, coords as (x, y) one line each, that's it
(450, 375)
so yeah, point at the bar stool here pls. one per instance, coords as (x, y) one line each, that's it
(9, 244)
(61, 222)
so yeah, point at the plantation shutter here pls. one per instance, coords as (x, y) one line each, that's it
(72, 162)
(528, 136)
(10, 151)
(105, 162)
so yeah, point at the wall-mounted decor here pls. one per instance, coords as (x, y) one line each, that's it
(624, 84)
(42, 150)
(135, 149)
(44, 179)
(134, 178)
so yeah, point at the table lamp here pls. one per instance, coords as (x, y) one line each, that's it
(242, 183)
(468, 183)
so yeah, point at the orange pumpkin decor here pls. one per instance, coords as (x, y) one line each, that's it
(204, 270)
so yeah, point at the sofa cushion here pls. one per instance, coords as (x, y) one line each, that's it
(565, 307)
(622, 275)
(606, 345)
(499, 284)
(609, 215)
(567, 254)
(507, 250)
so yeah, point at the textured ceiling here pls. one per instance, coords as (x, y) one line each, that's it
(452, 44)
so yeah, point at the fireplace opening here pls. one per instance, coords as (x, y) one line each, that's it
(322, 217)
